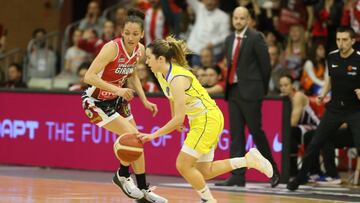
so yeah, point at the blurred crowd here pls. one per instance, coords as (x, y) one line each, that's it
(299, 34)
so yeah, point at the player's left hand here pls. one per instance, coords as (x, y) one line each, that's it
(145, 137)
(152, 107)
(357, 91)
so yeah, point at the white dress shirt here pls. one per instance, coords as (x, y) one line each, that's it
(210, 27)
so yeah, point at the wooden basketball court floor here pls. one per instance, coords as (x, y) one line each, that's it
(42, 185)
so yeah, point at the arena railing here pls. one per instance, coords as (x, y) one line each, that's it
(66, 39)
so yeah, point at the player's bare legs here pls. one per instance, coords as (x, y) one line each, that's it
(138, 165)
(120, 126)
(252, 159)
(196, 173)
(139, 170)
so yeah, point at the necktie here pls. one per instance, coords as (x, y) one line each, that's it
(234, 61)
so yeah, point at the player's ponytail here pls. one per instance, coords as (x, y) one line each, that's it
(173, 50)
(135, 16)
(179, 49)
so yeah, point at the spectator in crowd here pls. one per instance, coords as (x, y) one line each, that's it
(296, 12)
(206, 58)
(303, 123)
(302, 120)
(200, 73)
(186, 23)
(351, 17)
(210, 29)
(108, 34)
(144, 76)
(173, 14)
(80, 85)
(253, 20)
(120, 17)
(247, 83)
(295, 52)
(272, 38)
(312, 79)
(155, 22)
(42, 60)
(92, 18)
(88, 42)
(344, 106)
(3, 34)
(74, 56)
(215, 82)
(14, 73)
(3, 37)
(327, 16)
(277, 70)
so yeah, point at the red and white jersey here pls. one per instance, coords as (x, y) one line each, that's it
(117, 71)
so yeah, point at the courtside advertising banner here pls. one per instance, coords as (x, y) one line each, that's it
(52, 130)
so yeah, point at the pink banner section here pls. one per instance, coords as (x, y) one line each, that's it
(52, 130)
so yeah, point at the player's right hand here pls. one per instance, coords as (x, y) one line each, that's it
(126, 93)
(145, 137)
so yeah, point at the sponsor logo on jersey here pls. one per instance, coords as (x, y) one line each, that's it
(349, 68)
(121, 59)
(124, 69)
(89, 113)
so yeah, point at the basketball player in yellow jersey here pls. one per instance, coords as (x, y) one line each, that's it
(167, 61)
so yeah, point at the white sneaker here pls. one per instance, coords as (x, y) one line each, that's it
(255, 160)
(326, 180)
(127, 186)
(150, 196)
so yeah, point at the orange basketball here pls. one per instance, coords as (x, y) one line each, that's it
(128, 147)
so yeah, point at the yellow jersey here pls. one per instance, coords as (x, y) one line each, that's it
(197, 99)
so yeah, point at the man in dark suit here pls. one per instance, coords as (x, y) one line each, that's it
(247, 83)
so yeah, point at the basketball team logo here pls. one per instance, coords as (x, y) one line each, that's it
(89, 113)
(121, 59)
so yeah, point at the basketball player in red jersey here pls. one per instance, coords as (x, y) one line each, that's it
(106, 101)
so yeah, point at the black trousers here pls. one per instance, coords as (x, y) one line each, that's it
(330, 123)
(246, 112)
(295, 141)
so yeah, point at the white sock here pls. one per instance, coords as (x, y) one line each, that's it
(239, 162)
(205, 193)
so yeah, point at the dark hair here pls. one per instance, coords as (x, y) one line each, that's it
(313, 52)
(38, 30)
(216, 68)
(288, 76)
(17, 66)
(173, 50)
(348, 30)
(135, 16)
